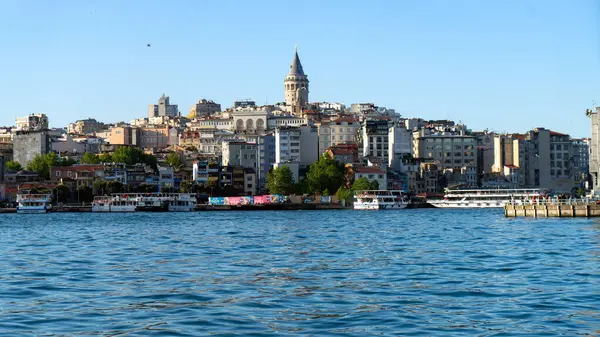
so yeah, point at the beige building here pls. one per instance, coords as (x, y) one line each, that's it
(204, 107)
(122, 135)
(452, 151)
(85, 126)
(338, 131)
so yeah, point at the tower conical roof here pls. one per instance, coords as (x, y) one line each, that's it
(296, 67)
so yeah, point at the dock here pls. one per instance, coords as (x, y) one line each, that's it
(564, 209)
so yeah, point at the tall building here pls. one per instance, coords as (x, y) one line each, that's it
(28, 144)
(595, 147)
(296, 86)
(163, 108)
(287, 145)
(375, 139)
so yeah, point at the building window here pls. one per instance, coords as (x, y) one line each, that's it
(58, 173)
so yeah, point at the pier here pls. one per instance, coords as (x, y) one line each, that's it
(563, 209)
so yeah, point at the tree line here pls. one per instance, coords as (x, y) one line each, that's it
(323, 177)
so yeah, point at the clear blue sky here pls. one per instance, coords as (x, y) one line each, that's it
(504, 65)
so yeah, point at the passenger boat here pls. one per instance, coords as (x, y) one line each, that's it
(145, 202)
(487, 198)
(380, 199)
(34, 203)
(154, 202)
(183, 202)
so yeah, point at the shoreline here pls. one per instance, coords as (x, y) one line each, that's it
(216, 208)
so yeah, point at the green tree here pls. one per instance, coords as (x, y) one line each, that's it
(90, 158)
(133, 155)
(84, 194)
(100, 187)
(325, 174)
(344, 194)
(62, 193)
(326, 193)
(114, 187)
(361, 184)
(187, 186)
(13, 166)
(43, 164)
(146, 188)
(40, 165)
(105, 158)
(175, 161)
(374, 185)
(66, 162)
(280, 181)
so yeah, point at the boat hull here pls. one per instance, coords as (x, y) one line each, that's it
(31, 210)
(378, 207)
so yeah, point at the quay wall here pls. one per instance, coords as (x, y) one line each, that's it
(564, 210)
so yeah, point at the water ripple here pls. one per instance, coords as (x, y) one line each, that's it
(339, 273)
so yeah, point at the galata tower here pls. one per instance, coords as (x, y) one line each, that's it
(296, 86)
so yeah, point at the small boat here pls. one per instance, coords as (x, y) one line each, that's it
(34, 203)
(380, 199)
(488, 198)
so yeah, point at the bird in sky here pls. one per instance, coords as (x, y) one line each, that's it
(148, 45)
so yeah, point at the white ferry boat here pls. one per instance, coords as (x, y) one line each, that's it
(487, 198)
(380, 199)
(34, 203)
(115, 203)
(183, 202)
(145, 202)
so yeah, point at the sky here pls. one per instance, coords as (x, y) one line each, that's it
(505, 66)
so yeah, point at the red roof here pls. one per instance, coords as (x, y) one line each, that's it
(346, 119)
(78, 168)
(368, 170)
(554, 133)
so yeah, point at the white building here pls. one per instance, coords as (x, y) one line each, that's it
(166, 177)
(279, 121)
(287, 145)
(235, 153)
(200, 172)
(252, 121)
(400, 145)
(372, 174)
